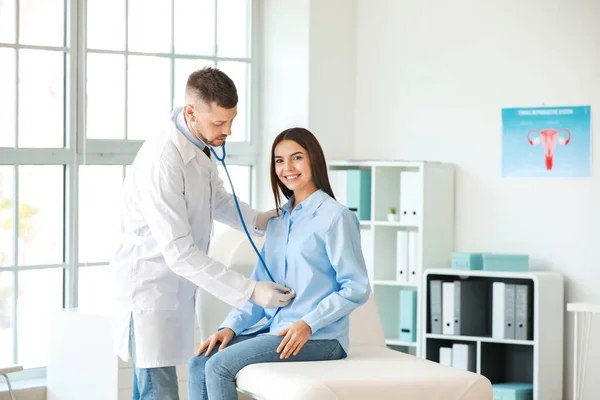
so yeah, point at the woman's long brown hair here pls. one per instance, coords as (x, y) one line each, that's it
(317, 162)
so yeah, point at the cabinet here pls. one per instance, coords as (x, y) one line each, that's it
(82, 363)
(519, 337)
(399, 246)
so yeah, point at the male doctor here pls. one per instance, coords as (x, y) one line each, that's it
(172, 195)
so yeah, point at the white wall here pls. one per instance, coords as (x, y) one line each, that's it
(284, 79)
(307, 58)
(431, 79)
(333, 75)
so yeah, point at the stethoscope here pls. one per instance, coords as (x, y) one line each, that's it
(237, 205)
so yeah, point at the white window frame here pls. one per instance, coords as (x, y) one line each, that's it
(80, 151)
(238, 152)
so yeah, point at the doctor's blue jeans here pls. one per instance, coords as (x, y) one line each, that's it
(213, 377)
(152, 383)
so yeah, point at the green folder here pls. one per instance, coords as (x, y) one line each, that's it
(408, 315)
(359, 193)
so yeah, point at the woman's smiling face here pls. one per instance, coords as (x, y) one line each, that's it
(292, 165)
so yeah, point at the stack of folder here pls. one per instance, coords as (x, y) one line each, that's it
(511, 311)
(460, 355)
(410, 198)
(459, 307)
(407, 250)
(352, 188)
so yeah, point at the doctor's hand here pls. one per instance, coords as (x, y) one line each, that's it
(296, 335)
(269, 295)
(263, 219)
(224, 336)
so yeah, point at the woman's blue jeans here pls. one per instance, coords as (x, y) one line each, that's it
(213, 377)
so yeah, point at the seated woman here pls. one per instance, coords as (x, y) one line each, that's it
(313, 247)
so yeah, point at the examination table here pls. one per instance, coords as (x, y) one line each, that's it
(371, 370)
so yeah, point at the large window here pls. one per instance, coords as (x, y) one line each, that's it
(82, 85)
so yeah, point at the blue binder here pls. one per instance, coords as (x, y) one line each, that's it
(359, 193)
(408, 315)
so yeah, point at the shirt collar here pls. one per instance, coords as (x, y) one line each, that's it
(183, 128)
(310, 204)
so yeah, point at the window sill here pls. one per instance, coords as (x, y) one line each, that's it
(22, 384)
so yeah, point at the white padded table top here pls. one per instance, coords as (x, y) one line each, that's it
(368, 373)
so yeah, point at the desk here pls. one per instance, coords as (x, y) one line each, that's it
(586, 310)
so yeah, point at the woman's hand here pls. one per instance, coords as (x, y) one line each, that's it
(224, 336)
(296, 335)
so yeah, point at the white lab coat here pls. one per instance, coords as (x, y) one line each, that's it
(171, 196)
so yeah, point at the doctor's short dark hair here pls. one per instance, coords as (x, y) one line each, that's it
(212, 85)
(318, 165)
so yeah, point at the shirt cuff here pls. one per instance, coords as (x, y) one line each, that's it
(236, 326)
(255, 231)
(314, 320)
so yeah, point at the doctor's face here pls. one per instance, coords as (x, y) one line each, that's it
(292, 166)
(212, 124)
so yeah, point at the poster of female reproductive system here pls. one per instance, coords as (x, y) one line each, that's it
(546, 142)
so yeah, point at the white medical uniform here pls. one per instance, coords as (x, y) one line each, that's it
(171, 196)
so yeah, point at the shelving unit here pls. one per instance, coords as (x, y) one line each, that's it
(423, 194)
(536, 359)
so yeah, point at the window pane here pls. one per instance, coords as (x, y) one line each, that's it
(6, 318)
(195, 27)
(95, 286)
(238, 72)
(150, 26)
(7, 96)
(99, 203)
(41, 96)
(40, 293)
(233, 28)
(241, 177)
(149, 96)
(7, 21)
(105, 89)
(98, 13)
(42, 22)
(7, 233)
(41, 214)
(183, 69)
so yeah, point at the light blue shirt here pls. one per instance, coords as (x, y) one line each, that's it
(182, 127)
(316, 250)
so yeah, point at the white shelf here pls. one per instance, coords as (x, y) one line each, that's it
(383, 282)
(394, 224)
(394, 342)
(532, 274)
(483, 339)
(377, 163)
(538, 360)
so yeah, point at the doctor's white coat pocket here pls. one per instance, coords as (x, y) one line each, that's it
(156, 287)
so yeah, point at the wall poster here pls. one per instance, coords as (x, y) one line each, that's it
(547, 142)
